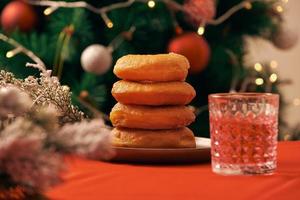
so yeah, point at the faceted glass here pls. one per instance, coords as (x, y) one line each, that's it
(243, 128)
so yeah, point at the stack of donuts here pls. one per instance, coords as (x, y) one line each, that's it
(152, 96)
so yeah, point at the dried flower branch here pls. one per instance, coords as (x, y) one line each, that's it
(13, 102)
(45, 91)
(33, 128)
(88, 139)
(31, 143)
(24, 159)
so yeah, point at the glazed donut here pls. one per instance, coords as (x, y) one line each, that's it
(137, 138)
(155, 94)
(156, 68)
(150, 117)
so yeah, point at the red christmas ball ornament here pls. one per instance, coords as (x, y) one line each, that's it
(18, 14)
(199, 11)
(194, 47)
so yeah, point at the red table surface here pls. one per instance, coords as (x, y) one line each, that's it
(88, 179)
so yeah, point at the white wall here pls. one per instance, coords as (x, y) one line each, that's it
(288, 60)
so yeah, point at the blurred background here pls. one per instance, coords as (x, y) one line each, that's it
(232, 45)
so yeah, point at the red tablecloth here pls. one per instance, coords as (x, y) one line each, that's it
(88, 180)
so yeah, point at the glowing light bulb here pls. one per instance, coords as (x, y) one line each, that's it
(49, 10)
(279, 9)
(259, 81)
(258, 67)
(273, 77)
(248, 5)
(109, 24)
(285, 1)
(273, 64)
(13, 52)
(10, 54)
(201, 30)
(296, 102)
(151, 4)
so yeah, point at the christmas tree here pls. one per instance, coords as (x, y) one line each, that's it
(81, 41)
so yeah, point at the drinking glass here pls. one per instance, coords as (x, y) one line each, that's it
(243, 128)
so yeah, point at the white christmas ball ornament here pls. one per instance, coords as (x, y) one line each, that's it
(285, 38)
(96, 59)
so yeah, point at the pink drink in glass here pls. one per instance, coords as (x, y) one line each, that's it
(243, 129)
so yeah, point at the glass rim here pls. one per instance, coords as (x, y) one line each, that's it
(243, 95)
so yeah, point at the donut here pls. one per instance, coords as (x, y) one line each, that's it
(138, 138)
(155, 94)
(155, 68)
(149, 117)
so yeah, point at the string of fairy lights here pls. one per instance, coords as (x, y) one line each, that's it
(21, 49)
(272, 78)
(52, 6)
